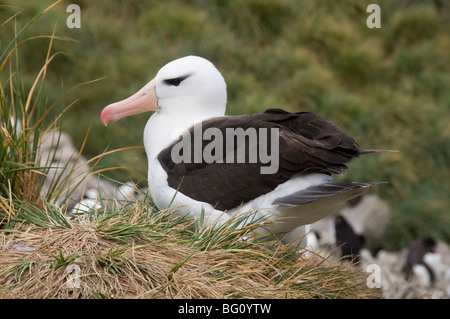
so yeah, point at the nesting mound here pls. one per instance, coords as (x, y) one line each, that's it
(140, 254)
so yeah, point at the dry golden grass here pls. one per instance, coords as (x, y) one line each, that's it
(43, 262)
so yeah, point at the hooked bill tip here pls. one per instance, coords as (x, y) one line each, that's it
(105, 116)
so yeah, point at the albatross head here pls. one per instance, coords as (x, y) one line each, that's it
(190, 85)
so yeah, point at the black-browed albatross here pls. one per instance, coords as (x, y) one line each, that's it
(188, 94)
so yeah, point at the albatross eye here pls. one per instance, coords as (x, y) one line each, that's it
(175, 81)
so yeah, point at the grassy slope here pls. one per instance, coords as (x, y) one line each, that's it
(135, 251)
(388, 87)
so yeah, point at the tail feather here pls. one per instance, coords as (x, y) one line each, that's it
(317, 192)
(315, 202)
(362, 152)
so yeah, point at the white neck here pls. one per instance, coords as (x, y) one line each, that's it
(162, 129)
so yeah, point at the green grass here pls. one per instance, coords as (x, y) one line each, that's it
(388, 87)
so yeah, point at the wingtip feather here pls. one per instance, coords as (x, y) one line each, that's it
(362, 152)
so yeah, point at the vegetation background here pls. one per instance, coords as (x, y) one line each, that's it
(388, 87)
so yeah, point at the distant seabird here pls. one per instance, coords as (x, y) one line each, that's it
(416, 253)
(203, 162)
(347, 240)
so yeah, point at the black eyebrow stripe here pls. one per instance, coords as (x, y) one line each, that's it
(176, 81)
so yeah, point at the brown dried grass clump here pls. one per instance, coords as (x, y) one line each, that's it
(137, 254)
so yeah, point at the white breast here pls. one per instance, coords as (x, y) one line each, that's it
(158, 134)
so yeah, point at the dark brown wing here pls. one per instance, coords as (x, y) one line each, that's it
(307, 143)
(313, 143)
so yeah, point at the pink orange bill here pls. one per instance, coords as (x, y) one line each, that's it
(142, 101)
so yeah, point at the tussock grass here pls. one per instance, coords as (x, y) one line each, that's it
(159, 256)
(33, 169)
